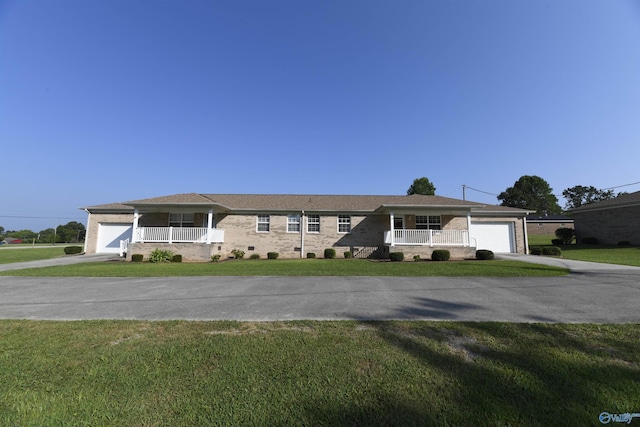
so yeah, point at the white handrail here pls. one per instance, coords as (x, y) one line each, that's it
(124, 246)
(178, 235)
(429, 237)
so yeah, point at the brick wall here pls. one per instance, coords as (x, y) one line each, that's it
(609, 226)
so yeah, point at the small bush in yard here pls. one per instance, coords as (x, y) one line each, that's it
(348, 254)
(215, 258)
(440, 255)
(330, 253)
(273, 255)
(484, 254)
(416, 258)
(311, 255)
(551, 250)
(176, 258)
(254, 256)
(137, 257)
(70, 250)
(566, 235)
(557, 242)
(160, 255)
(396, 256)
(535, 250)
(237, 253)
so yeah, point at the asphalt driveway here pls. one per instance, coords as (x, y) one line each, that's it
(593, 292)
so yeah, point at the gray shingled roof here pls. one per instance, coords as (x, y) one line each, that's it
(625, 200)
(312, 202)
(317, 202)
(110, 207)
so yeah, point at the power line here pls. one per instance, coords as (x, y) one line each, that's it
(40, 217)
(557, 195)
(480, 191)
(624, 185)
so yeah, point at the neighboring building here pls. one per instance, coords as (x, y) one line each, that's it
(610, 221)
(547, 224)
(198, 226)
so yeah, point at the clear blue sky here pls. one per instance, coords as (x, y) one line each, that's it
(114, 100)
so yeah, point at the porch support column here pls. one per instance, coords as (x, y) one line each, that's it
(209, 226)
(468, 229)
(302, 229)
(134, 235)
(393, 232)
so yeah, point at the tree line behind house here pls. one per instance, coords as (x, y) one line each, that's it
(533, 193)
(72, 232)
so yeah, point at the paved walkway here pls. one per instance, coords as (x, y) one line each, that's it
(592, 293)
(574, 266)
(66, 260)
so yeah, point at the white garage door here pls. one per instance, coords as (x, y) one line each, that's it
(495, 236)
(109, 236)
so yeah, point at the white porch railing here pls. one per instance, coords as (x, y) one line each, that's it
(178, 235)
(429, 238)
(124, 246)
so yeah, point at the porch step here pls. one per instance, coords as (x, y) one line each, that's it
(368, 252)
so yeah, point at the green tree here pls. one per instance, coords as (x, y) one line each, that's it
(70, 232)
(580, 195)
(533, 193)
(47, 235)
(25, 235)
(422, 186)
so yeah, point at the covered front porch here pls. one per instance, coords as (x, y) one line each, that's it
(183, 226)
(430, 229)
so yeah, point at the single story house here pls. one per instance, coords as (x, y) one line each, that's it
(610, 221)
(548, 224)
(198, 226)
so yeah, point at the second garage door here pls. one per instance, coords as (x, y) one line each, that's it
(495, 236)
(109, 236)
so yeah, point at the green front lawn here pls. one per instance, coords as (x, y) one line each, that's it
(14, 253)
(297, 267)
(623, 255)
(115, 373)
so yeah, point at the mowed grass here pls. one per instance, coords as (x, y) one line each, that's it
(114, 373)
(11, 253)
(296, 267)
(623, 255)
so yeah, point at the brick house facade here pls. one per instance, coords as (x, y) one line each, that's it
(198, 226)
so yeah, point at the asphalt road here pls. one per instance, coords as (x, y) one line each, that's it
(597, 293)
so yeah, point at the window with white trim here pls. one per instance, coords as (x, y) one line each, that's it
(344, 224)
(398, 222)
(293, 223)
(428, 222)
(263, 223)
(313, 223)
(181, 220)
